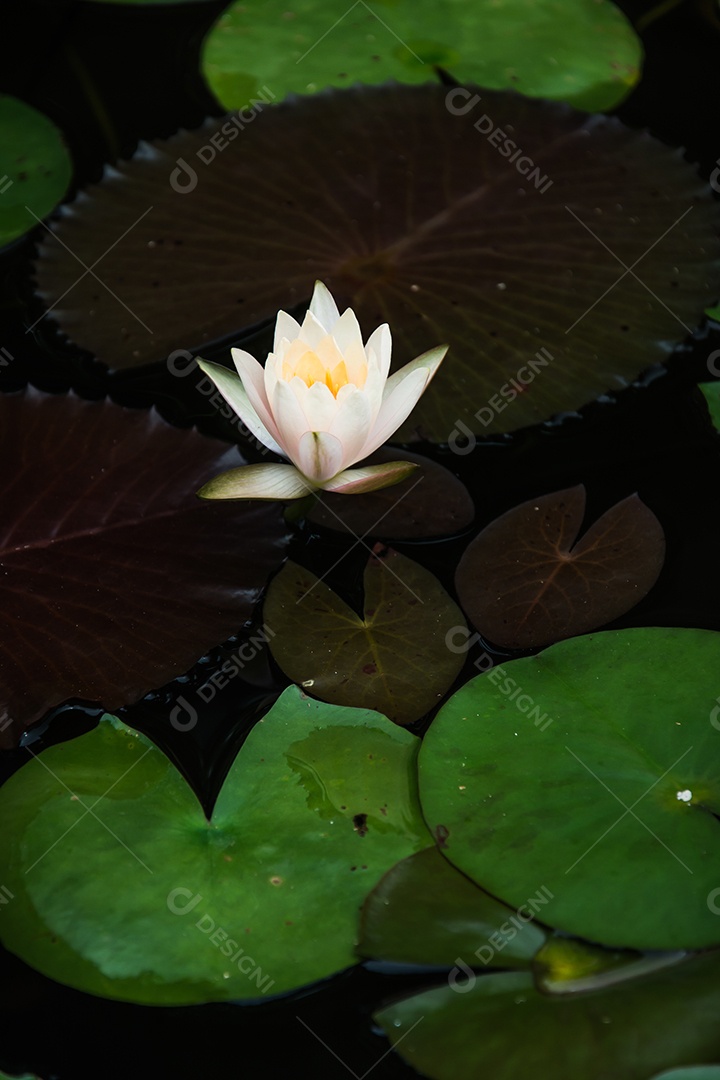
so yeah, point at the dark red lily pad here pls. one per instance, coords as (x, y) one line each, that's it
(115, 577)
(555, 268)
(429, 502)
(525, 581)
(394, 659)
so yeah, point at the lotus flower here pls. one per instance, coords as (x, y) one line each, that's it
(324, 401)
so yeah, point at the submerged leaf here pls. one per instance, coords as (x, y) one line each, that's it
(395, 659)
(514, 253)
(115, 577)
(425, 912)
(527, 580)
(504, 1027)
(121, 887)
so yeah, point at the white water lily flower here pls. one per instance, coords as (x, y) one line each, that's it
(324, 401)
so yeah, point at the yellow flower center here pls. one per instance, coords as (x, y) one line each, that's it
(311, 369)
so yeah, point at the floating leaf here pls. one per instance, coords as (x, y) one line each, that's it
(394, 659)
(503, 1027)
(121, 887)
(424, 912)
(521, 273)
(115, 577)
(607, 798)
(584, 52)
(430, 502)
(525, 581)
(35, 167)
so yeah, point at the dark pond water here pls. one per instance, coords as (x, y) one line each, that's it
(654, 438)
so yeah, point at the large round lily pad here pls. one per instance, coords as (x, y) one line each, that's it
(35, 167)
(413, 210)
(591, 770)
(114, 577)
(504, 1027)
(584, 52)
(121, 887)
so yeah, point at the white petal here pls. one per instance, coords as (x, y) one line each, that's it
(373, 390)
(352, 425)
(257, 482)
(285, 327)
(395, 409)
(320, 456)
(380, 343)
(312, 331)
(346, 331)
(318, 403)
(290, 417)
(370, 478)
(230, 386)
(323, 307)
(253, 378)
(270, 377)
(429, 361)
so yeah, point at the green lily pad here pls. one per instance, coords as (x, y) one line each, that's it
(394, 659)
(713, 312)
(711, 392)
(504, 1027)
(526, 579)
(519, 272)
(425, 912)
(35, 167)
(590, 770)
(584, 52)
(121, 887)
